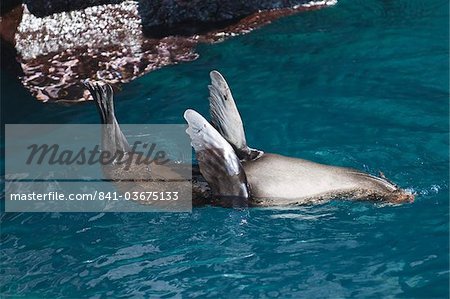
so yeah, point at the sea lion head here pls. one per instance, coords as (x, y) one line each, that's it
(395, 194)
(392, 193)
(400, 196)
(381, 189)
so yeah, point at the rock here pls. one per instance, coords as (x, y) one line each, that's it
(106, 42)
(8, 5)
(9, 22)
(183, 17)
(8, 58)
(103, 42)
(42, 8)
(8, 28)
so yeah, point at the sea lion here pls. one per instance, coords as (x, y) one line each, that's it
(240, 175)
(231, 174)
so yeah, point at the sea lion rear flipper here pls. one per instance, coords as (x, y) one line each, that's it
(113, 138)
(226, 118)
(218, 162)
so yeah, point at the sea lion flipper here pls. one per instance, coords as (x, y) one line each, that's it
(226, 118)
(218, 162)
(113, 138)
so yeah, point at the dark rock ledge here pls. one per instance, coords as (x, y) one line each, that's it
(106, 42)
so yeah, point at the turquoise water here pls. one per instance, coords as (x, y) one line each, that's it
(362, 84)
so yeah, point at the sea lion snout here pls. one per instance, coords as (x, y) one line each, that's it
(401, 196)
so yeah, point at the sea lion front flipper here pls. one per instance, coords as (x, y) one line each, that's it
(113, 139)
(218, 162)
(226, 118)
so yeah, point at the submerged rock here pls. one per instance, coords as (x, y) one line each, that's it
(107, 43)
